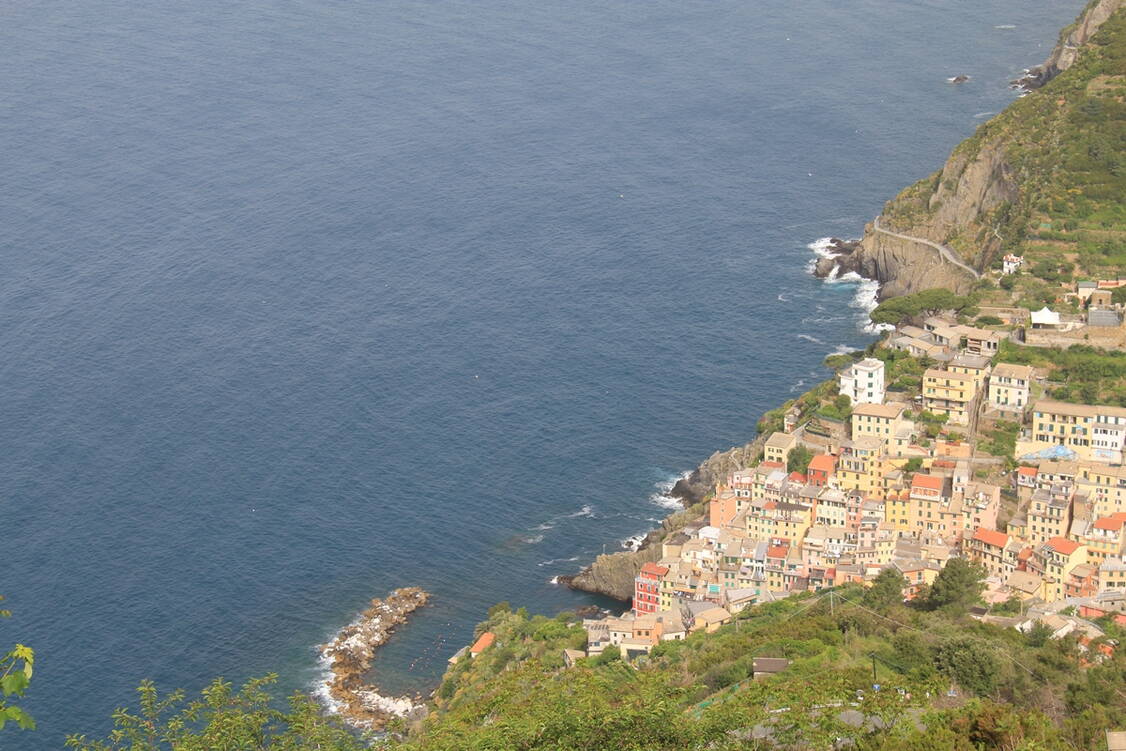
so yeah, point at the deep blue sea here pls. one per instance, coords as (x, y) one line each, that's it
(302, 301)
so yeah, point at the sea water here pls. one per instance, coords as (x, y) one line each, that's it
(303, 301)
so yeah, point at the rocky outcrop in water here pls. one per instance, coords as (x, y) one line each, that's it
(350, 655)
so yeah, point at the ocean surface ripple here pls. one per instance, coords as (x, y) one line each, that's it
(306, 301)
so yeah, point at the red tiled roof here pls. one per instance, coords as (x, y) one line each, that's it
(1063, 545)
(991, 537)
(771, 465)
(1030, 471)
(797, 477)
(823, 463)
(1112, 523)
(483, 642)
(778, 551)
(933, 482)
(654, 568)
(1024, 554)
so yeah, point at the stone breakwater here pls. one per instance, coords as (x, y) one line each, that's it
(349, 657)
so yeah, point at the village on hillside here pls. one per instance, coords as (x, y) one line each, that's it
(926, 448)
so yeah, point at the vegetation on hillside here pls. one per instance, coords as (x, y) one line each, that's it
(1063, 147)
(16, 668)
(1080, 373)
(925, 303)
(945, 681)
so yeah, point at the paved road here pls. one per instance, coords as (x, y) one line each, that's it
(946, 253)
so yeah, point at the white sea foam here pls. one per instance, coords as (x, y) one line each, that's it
(320, 686)
(633, 542)
(865, 299)
(782, 298)
(532, 539)
(843, 349)
(1005, 26)
(553, 561)
(550, 523)
(809, 338)
(554, 580)
(823, 247)
(980, 115)
(662, 498)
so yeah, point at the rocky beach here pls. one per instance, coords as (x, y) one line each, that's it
(350, 654)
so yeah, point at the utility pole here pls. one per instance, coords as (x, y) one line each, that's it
(873, 669)
(832, 609)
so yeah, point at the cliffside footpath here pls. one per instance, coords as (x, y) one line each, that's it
(1040, 179)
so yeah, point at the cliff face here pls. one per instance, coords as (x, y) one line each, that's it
(1066, 51)
(980, 203)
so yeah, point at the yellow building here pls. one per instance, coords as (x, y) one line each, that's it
(1049, 513)
(1104, 485)
(778, 447)
(860, 467)
(876, 420)
(897, 510)
(1056, 558)
(1106, 538)
(1093, 433)
(948, 393)
(975, 366)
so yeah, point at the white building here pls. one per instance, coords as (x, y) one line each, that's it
(1011, 264)
(1010, 386)
(863, 383)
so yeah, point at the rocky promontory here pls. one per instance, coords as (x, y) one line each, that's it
(350, 655)
(612, 574)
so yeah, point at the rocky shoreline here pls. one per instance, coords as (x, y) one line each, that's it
(612, 574)
(350, 654)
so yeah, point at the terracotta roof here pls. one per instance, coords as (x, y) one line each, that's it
(1112, 523)
(1063, 545)
(777, 551)
(934, 482)
(483, 642)
(991, 537)
(1025, 554)
(797, 477)
(823, 462)
(654, 568)
(1030, 471)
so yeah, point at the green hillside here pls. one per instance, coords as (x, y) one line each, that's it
(1058, 156)
(946, 681)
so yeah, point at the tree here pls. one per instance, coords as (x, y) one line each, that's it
(16, 668)
(969, 663)
(221, 719)
(610, 654)
(799, 459)
(914, 464)
(957, 587)
(886, 590)
(1118, 296)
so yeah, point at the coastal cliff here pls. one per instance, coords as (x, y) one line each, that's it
(1072, 38)
(1000, 184)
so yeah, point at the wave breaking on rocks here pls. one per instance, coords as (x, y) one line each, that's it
(348, 658)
